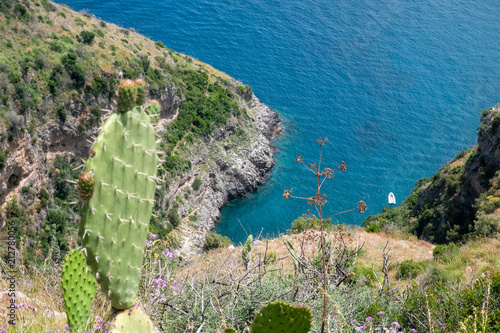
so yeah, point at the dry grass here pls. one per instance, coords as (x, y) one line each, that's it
(40, 306)
(306, 244)
(40, 289)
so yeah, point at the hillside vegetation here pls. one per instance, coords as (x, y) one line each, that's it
(58, 76)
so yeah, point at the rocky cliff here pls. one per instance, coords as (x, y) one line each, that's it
(462, 199)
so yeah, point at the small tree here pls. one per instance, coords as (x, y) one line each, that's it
(87, 37)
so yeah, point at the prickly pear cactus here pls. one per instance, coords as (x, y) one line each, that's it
(230, 330)
(279, 317)
(115, 219)
(132, 320)
(78, 288)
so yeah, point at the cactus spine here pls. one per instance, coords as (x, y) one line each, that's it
(115, 219)
(78, 288)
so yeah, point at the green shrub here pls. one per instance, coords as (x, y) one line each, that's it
(76, 72)
(373, 227)
(214, 241)
(496, 122)
(409, 269)
(196, 183)
(96, 114)
(3, 158)
(87, 37)
(53, 234)
(40, 61)
(173, 217)
(48, 6)
(445, 252)
(309, 222)
(61, 113)
(43, 195)
(159, 45)
(486, 225)
(270, 257)
(176, 164)
(61, 171)
(21, 12)
(363, 275)
(16, 216)
(78, 76)
(99, 33)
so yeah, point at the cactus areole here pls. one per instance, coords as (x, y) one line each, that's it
(115, 219)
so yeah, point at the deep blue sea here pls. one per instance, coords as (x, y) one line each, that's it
(397, 86)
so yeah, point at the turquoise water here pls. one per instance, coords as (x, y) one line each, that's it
(396, 85)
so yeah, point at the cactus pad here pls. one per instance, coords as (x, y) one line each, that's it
(279, 317)
(115, 220)
(78, 288)
(230, 330)
(133, 320)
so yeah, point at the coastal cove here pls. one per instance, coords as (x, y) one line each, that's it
(397, 88)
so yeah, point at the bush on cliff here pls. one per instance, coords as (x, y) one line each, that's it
(214, 241)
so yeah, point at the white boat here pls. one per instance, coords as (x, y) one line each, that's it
(392, 199)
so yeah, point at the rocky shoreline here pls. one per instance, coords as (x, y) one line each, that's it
(229, 168)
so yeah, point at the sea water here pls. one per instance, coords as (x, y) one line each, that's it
(397, 86)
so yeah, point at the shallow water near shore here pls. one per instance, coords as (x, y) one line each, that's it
(396, 86)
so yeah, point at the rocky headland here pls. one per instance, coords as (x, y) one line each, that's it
(54, 99)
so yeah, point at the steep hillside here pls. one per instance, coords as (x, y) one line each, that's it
(462, 199)
(58, 74)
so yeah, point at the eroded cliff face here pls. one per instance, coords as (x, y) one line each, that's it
(233, 162)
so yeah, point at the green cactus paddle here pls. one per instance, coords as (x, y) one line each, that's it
(78, 289)
(115, 218)
(277, 317)
(132, 320)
